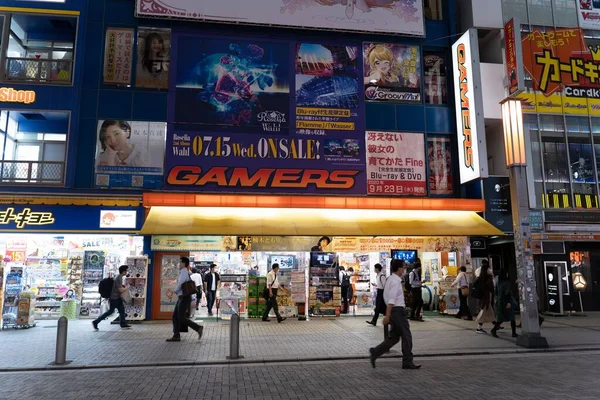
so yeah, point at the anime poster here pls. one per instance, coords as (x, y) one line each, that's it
(232, 84)
(327, 90)
(440, 166)
(130, 154)
(403, 17)
(436, 90)
(153, 58)
(392, 72)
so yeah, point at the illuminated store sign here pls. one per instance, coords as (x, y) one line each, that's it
(10, 95)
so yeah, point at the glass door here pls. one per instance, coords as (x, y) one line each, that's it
(166, 273)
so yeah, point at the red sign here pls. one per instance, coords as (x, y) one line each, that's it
(510, 49)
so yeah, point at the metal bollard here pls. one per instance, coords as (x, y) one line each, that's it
(234, 338)
(61, 341)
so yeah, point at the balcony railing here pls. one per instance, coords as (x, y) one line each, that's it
(36, 172)
(39, 70)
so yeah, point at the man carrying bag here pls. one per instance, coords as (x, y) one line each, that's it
(186, 287)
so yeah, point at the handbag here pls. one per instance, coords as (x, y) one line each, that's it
(188, 287)
(464, 291)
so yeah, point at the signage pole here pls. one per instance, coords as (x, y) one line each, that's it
(530, 336)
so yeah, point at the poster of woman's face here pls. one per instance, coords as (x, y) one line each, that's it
(153, 58)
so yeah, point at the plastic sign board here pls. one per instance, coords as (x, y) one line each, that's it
(513, 57)
(588, 12)
(10, 95)
(118, 219)
(472, 153)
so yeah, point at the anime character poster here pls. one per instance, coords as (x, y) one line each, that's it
(392, 72)
(153, 58)
(440, 166)
(436, 90)
(234, 84)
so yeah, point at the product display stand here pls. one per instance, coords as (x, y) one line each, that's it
(2, 268)
(325, 296)
(137, 277)
(256, 303)
(12, 290)
(232, 295)
(298, 289)
(93, 271)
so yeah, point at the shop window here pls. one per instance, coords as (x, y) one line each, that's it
(29, 155)
(565, 13)
(555, 162)
(433, 9)
(530, 123)
(540, 12)
(583, 175)
(40, 48)
(515, 8)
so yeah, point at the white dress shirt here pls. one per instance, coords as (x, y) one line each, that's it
(197, 278)
(415, 281)
(381, 279)
(393, 293)
(461, 280)
(272, 280)
(184, 276)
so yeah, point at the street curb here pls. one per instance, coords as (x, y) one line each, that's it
(159, 364)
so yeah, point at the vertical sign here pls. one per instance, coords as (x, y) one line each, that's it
(440, 166)
(498, 211)
(118, 56)
(554, 289)
(514, 57)
(472, 153)
(396, 163)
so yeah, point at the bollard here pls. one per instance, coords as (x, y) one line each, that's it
(234, 338)
(61, 341)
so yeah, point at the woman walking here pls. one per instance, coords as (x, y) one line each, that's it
(486, 303)
(506, 305)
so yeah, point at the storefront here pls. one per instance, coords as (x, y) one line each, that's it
(54, 256)
(245, 235)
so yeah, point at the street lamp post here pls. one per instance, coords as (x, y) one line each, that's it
(514, 145)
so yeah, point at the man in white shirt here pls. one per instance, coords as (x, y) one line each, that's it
(395, 314)
(273, 286)
(379, 301)
(197, 278)
(462, 282)
(183, 305)
(212, 281)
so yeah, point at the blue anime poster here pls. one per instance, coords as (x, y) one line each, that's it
(232, 84)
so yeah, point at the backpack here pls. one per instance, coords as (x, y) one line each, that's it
(105, 287)
(477, 291)
(345, 280)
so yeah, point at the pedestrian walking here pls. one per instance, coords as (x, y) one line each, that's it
(416, 288)
(505, 304)
(486, 303)
(379, 301)
(184, 302)
(212, 282)
(395, 314)
(345, 287)
(120, 290)
(197, 278)
(273, 286)
(462, 284)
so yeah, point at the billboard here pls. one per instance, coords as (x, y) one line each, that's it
(130, 154)
(513, 57)
(263, 115)
(118, 56)
(588, 12)
(392, 72)
(373, 16)
(439, 157)
(563, 69)
(472, 152)
(153, 58)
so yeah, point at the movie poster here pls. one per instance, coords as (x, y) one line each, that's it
(130, 154)
(153, 58)
(232, 84)
(392, 72)
(440, 166)
(436, 91)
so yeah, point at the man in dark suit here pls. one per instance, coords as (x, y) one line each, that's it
(212, 281)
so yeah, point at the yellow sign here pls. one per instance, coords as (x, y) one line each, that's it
(10, 95)
(25, 217)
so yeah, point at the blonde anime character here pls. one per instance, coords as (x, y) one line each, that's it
(384, 68)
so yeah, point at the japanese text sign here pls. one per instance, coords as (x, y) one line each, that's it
(118, 56)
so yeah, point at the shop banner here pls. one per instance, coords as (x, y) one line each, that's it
(588, 12)
(384, 16)
(498, 211)
(387, 243)
(436, 86)
(440, 166)
(153, 58)
(118, 56)
(396, 163)
(392, 72)
(563, 68)
(130, 154)
(193, 243)
(265, 116)
(276, 243)
(513, 57)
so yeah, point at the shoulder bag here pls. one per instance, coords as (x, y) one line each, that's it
(188, 287)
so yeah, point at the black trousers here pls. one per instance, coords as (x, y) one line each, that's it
(344, 300)
(400, 330)
(272, 304)
(180, 316)
(417, 302)
(380, 308)
(464, 306)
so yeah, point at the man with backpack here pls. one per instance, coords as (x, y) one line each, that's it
(416, 288)
(345, 284)
(114, 290)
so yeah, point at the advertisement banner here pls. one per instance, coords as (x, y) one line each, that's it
(498, 211)
(563, 68)
(236, 127)
(396, 163)
(436, 86)
(513, 57)
(193, 243)
(387, 243)
(130, 154)
(588, 12)
(118, 56)
(472, 153)
(383, 16)
(392, 72)
(153, 58)
(440, 166)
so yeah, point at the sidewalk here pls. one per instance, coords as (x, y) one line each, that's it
(339, 338)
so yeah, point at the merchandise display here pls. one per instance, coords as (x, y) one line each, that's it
(2, 267)
(26, 311)
(74, 278)
(137, 277)
(325, 296)
(93, 273)
(287, 305)
(233, 295)
(256, 302)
